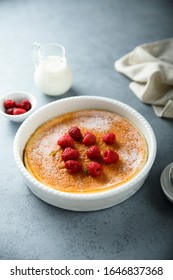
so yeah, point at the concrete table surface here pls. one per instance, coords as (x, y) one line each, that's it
(94, 34)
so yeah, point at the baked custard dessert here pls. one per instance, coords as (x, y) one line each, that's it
(85, 151)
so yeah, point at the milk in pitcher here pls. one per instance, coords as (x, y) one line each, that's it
(53, 75)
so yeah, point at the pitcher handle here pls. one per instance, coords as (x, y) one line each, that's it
(35, 56)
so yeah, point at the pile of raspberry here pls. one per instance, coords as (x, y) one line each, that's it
(13, 108)
(70, 155)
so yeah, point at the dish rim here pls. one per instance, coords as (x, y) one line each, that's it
(95, 195)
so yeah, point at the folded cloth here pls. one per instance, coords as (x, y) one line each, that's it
(150, 67)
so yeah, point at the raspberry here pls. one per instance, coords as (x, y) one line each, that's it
(93, 152)
(89, 139)
(18, 111)
(109, 138)
(94, 168)
(69, 153)
(9, 111)
(13, 108)
(65, 141)
(75, 133)
(25, 104)
(73, 166)
(9, 104)
(110, 156)
(18, 105)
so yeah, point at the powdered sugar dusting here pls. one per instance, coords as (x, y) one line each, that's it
(97, 123)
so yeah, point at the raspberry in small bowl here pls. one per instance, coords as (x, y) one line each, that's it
(17, 106)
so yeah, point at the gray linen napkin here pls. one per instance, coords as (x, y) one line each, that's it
(150, 67)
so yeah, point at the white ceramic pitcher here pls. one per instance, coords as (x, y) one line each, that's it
(53, 75)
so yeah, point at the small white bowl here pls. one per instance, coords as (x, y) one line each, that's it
(18, 96)
(83, 202)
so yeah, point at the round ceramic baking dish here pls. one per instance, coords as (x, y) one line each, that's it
(83, 202)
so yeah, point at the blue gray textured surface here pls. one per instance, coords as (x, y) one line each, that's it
(95, 34)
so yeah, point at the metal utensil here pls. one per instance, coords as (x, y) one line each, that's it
(166, 181)
(171, 174)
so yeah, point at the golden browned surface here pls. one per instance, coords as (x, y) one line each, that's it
(49, 169)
